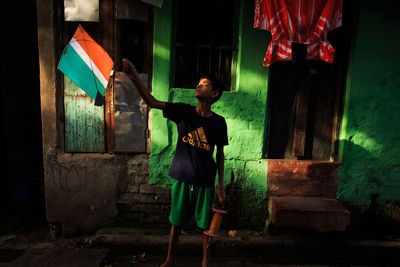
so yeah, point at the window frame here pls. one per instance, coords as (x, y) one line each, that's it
(108, 30)
(235, 44)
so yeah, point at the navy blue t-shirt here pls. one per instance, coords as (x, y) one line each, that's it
(193, 161)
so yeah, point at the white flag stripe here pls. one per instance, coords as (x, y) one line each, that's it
(85, 57)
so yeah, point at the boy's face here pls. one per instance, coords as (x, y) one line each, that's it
(204, 90)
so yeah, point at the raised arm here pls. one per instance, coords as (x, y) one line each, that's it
(131, 72)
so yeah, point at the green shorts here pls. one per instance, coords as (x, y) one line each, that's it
(190, 200)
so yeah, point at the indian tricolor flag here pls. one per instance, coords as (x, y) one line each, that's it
(87, 64)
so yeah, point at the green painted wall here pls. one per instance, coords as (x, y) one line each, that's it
(244, 110)
(370, 131)
(370, 137)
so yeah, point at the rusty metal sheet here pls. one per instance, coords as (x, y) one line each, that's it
(84, 122)
(130, 115)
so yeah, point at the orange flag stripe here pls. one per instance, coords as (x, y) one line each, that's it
(96, 53)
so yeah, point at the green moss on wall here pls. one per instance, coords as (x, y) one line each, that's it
(370, 138)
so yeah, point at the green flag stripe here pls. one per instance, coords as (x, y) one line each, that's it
(72, 65)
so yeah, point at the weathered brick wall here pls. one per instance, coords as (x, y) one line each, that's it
(148, 205)
(143, 204)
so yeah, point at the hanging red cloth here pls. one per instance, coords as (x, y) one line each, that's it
(298, 21)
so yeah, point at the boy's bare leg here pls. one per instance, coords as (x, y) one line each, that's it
(173, 242)
(206, 250)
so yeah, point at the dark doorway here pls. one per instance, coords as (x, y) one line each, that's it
(305, 98)
(205, 46)
(21, 181)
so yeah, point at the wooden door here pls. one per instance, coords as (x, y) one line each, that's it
(305, 99)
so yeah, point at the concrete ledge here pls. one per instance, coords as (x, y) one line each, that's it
(302, 178)
(320, 214)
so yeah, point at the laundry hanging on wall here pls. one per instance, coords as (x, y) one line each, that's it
(87, 64)
(298, 21)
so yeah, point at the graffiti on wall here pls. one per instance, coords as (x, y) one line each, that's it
(72, 178)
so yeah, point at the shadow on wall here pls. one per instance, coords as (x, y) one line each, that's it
(363, 188)
(246, 206)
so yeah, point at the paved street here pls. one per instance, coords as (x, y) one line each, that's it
(95, 257)
(120, 247)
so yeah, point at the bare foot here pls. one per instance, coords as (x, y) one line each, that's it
(167, 264)
(204, 263)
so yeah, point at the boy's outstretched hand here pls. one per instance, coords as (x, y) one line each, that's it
(129, 69)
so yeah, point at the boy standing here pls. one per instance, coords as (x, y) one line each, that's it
(193, 167)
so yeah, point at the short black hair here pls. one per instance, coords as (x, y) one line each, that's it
(216, 86)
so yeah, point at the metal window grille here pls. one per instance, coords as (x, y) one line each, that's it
(205, 42)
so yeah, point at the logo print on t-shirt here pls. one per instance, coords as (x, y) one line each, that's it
(197, 138)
